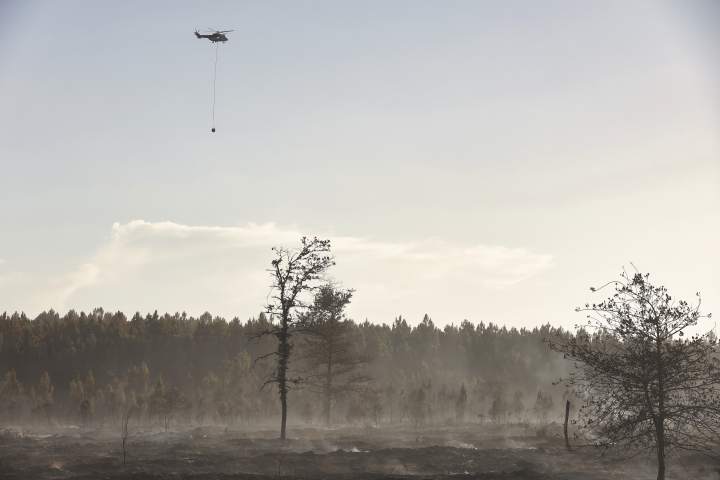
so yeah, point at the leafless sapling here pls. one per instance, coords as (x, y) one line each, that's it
(280, 457)
(126, 430)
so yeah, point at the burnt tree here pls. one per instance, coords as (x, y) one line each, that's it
(648, 389)
(331, 360)
(294, 273)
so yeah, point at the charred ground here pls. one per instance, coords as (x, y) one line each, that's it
(477, 450)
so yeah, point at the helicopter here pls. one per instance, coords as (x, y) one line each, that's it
(214, 37)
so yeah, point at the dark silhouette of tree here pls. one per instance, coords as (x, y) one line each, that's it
(294, 273)
(138, 377)
(89, 385)
(164, 403)
(416, 410)
(113, 402)
(461, 403)
(44, 397)
(330, 359)
(86, 410)
(543, 405)
(12, 395)
(125, 431)
(390, 396)
(499, 409)
(200, 402)
(517, 406)
(156, 406)
(648, 390)
(83, 396)
(308, 412)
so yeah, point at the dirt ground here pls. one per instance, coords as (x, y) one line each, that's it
(479, 451)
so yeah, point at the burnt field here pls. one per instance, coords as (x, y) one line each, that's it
(391, 451)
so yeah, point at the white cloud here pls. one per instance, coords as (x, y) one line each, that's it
(167, 266)
(33, 293)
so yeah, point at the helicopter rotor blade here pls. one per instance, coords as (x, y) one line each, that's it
(225, 31)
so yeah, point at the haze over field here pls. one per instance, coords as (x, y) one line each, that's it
(485, 160)
(350, 241)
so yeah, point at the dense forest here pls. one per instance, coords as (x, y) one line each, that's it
(93, 368)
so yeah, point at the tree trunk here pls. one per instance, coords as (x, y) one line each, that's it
(660, 423)
(283, 398)
(659, 432)
(283, 401)
(326, 406)
(328, 386)
(567, 415)
(284, 349)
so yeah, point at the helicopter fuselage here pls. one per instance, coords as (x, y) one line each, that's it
(215, 37)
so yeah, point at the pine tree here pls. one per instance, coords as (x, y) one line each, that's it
(44, 397)
(330, 360)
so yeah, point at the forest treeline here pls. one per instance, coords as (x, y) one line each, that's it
(91, 368)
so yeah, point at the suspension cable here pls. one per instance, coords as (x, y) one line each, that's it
(214, 81)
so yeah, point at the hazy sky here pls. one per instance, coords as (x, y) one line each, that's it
(483, 160)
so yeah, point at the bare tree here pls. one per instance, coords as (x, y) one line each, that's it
(647, 389)
(331, 360)
(294, 273)
(126, 430)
